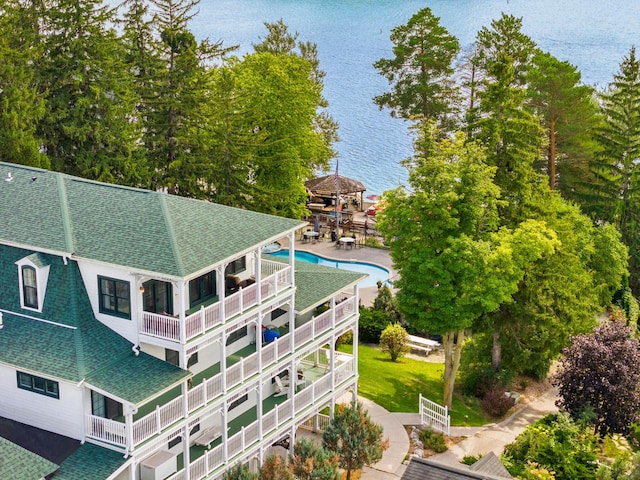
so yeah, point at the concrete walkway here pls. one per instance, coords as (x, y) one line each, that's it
(479, 441)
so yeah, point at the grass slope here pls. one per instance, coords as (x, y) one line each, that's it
(396, 386)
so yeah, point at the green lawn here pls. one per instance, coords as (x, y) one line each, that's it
(396, 386)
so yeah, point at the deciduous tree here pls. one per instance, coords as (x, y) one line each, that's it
(600, 372)
(455, 263)
(355, 439)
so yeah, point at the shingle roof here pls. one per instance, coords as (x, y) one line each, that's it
(90, 462)
(18, 463)
(421, 468)
(66, 342)
(317, 283)
(139, 229)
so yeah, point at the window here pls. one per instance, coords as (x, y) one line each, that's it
(29, 287)
(114, 297)
(174, 442)
(237, 266)
(237, 402)
(202, 288)
(193, 359)
(172, 357)
(237, 335)
(38, 385)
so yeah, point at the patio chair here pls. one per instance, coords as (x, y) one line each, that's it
(281, 388)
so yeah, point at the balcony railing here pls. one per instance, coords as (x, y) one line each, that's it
(211, 389)
(277, 276)
(272, 420)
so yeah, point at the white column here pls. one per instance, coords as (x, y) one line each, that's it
(181, 310)
(221, 286)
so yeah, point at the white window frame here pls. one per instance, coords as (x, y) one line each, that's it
(42, 277)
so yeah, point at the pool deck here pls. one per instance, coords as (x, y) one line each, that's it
(375, 256)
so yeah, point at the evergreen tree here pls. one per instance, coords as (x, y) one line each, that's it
(313, 462)
(615, 197)
(175, 124)
(568, 113)
(420, 72)
(512, 135)
(88, 129)
(21, 107)
(355, 439)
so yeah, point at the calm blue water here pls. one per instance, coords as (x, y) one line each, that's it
(594, 35)
(375, 273)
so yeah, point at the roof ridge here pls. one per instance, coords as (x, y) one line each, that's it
(66, 220)
(171, 233)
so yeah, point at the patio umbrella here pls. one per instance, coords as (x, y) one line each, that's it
(373, 198)
(316, 224)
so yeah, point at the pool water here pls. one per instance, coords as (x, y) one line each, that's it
(376, 274)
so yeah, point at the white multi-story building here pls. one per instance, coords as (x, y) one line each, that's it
(155, 330)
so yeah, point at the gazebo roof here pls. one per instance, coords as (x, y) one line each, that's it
(326, 185)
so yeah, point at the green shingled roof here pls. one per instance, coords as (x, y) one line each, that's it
(66, 342)
(90, 462)
(317, 283)
(18, 463)
(130, 227)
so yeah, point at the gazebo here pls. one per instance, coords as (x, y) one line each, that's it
(326, 188)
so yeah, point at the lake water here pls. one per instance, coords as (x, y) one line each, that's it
(594, 35)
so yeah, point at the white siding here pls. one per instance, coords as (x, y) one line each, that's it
(63, 416)
(124, 327)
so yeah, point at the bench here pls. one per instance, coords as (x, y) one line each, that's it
(421, 344)
(208, 435)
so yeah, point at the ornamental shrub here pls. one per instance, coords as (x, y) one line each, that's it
(496, 403)
(393, 340)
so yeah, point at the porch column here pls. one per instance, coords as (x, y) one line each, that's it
(223, 361)
(257, 273)
(221, 287)
(259, 410)
(292, 326)
(355, 345)
(292, 254)
(258, 328)
(181, 302)
(186, 452)
(332, 308)
(225, 432)
(128, 421)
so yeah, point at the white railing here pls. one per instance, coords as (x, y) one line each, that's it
(107, 430)
(317, 423)
(435, 415)
(278, 277)
(211, 389)
(276, 418)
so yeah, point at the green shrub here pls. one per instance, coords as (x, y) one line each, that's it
(432, 440)
(371, 325)
(345, 339)
(393, 340)
(470, 459)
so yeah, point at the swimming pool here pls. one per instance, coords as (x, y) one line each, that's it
(376, 274)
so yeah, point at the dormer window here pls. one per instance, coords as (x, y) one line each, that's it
(33, 273)
(29, 287)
